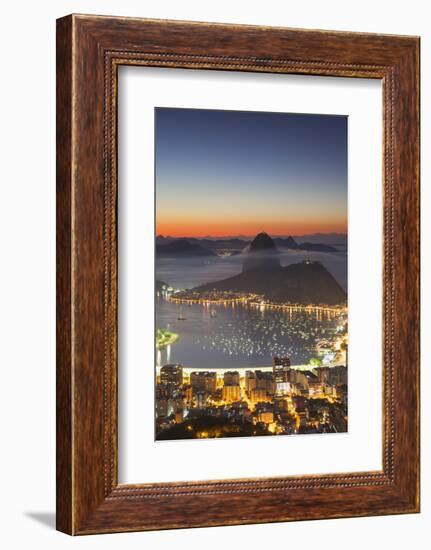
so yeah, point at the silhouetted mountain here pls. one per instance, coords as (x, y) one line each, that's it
(302, 283)
(291, 244)
(261, 254)
(262, 241)
(214, 244)
(182, 247)
(332, 239)
(305, 282)
(239, 244)
(286, 243)
(210, 244)
(160, 239)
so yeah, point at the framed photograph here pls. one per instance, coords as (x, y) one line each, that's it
(237, 274)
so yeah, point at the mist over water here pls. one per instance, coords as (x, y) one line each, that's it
(188, 272)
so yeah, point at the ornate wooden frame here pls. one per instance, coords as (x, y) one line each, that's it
(89, 51)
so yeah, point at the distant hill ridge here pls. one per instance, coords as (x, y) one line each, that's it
(234, 243)
(183, 247)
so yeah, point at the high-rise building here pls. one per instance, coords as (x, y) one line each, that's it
(231, 378)
(298, 378)
(313, 385)
(231, 393)
(282, 388)
(250, 381)
(322, 373)
(188, 394)
(162, 407)
(281, 371)
(163, 391)
(338, 375)
(201, 399)
(168, 401)
(281, 361)
(171, 375)
(203, 381)
(258, 395)
(265, 380)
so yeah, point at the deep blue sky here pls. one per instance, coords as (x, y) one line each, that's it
(240, 172)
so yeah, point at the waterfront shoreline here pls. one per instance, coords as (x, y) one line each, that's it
(222, 370)
(254, 301)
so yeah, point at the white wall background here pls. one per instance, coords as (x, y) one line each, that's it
(27, 279)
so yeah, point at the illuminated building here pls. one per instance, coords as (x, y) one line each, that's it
(281, 362)
(200, 399)
(265, 413)
(338, 375)
(162, 400)
(258, 395)
(329, 391)
(282, 388)
(298, 378)
(188, 393)
(341, 393)
(171, 375)
(161, 408)
(231, 378)
(231, 393)
(267, 417)
(168, 405)
(302, 419)
(203, 381)
(314, 385)
(240, 410)
(281, 371)
(322, 373)
(295, 389)
(265, 380)
(163, 391)
(175, 404)
(250, 381)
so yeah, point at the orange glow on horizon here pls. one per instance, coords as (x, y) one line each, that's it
(231, 229)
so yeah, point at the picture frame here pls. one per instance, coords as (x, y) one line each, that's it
(89, 51)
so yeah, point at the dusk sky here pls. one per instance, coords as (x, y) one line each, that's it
(223, 173)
